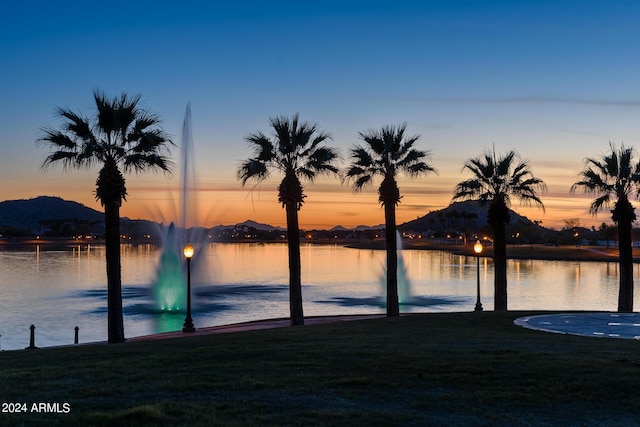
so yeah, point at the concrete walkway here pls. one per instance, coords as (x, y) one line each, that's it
(253, 326)
(597, 324)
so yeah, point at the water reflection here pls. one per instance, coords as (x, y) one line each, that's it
(66, 287)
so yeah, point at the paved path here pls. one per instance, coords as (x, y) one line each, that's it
(599, 252)
(598, 324)
(252, 326)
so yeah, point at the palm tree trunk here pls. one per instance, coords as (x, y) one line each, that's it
(115, 329)
(393, 306)
(295, 281)
(500, 266)
(625, 292)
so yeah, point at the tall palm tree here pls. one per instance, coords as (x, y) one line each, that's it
(121, 135)
(385, 153)
(495, 180)
(296, 150)
(614, 179)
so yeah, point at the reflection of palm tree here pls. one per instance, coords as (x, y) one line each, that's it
(386, 152)
(494, 181)
(296, 151)
(120, 135)
(613, 179)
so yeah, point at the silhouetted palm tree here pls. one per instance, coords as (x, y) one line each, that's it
(613, 179)
(296, 151)
(495, 180)
(385, 153)
(121, 135)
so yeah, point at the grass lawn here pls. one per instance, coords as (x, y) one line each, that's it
(449, 369)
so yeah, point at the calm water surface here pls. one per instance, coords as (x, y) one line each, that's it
(57, 290)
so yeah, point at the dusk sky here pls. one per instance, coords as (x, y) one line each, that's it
(554, 80)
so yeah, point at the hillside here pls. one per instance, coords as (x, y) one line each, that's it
(58, 218)
(32, 213)
(461, 216)
(55, 217)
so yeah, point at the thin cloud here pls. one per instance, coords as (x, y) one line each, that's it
(526, 100)
(557, 100)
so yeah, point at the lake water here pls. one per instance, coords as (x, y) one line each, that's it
(56, 290)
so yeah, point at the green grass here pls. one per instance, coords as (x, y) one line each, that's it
(468, 369)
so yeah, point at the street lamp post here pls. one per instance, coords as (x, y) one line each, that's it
(477, 248)
(188, 322)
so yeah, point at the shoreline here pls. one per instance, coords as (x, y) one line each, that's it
(520, 252)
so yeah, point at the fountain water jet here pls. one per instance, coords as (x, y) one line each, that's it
(404, 285)
(169, 285)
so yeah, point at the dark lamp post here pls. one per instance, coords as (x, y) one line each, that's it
(477, 248)
(188, 322)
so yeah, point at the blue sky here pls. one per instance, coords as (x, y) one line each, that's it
(555, 80)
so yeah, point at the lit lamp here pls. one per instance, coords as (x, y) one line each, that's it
(188, 322)
(477, 248)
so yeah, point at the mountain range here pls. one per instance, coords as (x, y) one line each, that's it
(461, 216)
(44, 212)
(32, 213)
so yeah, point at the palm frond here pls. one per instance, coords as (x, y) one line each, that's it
(321, 161)
(361, 156)
(312, 144)
(593, 182)
(599, 203)
(361, 182)
(374, 139)
(106, 114)
(295, 150)
(120, 132)
(385, 152)
(66, 158)
(484, 170)
(263, 147)
(154, 141)
(57, 139)
(497, 178)
(420, 168)
(76, 124)
(503, 164)
(144, 120)
(252, 169)
(282, 131)
(412, 163)
(142, 162)
(615, 176)
(468, 189)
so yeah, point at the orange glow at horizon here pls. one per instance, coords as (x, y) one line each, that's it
(328, 203)
(327, 209)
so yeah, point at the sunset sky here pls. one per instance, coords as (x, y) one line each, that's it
(555, 80)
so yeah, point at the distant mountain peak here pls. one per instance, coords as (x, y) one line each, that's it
(258, 226)
(30, 213)
(245, 226)
(369, 227)
(464, 214)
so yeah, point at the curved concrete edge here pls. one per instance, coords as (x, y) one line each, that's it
(587, 324)
(256, 325)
